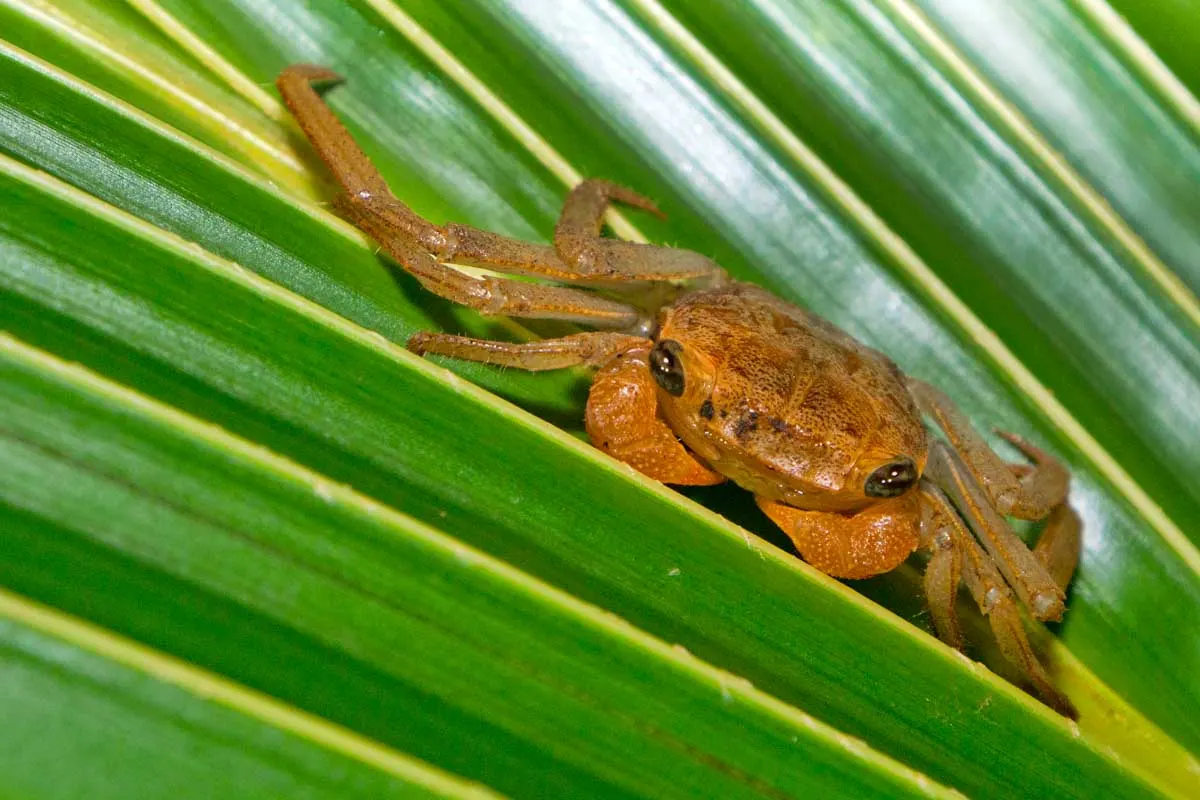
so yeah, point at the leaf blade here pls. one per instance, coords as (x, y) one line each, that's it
(646, 552)
(406, 586)
(128, 714)
(1108, 556)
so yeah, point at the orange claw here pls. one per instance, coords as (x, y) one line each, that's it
(622, 420)
(851, 545)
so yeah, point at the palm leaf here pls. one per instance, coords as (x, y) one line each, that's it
(882, 164)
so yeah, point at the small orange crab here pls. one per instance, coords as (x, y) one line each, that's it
(728, 382)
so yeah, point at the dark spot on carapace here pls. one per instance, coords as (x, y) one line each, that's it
(706, 409)
(724, 413)
(746, 424)
(779, 425)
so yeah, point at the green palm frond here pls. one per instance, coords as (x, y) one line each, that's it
(268, 552)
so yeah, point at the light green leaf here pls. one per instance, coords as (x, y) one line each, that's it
(1162, 41)
(132, 722)
(557, 698)
(110, 46)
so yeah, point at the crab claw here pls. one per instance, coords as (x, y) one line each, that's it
(858, 544)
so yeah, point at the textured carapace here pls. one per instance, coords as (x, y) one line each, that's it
(782, 402)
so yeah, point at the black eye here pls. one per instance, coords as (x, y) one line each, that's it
(892, 479)
(666, 367)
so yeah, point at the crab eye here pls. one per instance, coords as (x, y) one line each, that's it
(892, 479)
(666, 367)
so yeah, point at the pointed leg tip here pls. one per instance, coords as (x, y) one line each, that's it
(1007, 436)
(651, 207)
(311, 73)
(1027, 448)
(629, 197)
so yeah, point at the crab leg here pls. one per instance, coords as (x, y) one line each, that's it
(419, 246)
(578, 242)
(1029, 492)
(370, 203)
(996, 602)
(941, 529)
(1058, 548)
(1042, 486)
(1025, 573)
(593, 349)
(1016, 490)
(622, 410)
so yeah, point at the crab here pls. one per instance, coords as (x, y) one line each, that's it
(716, 380)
